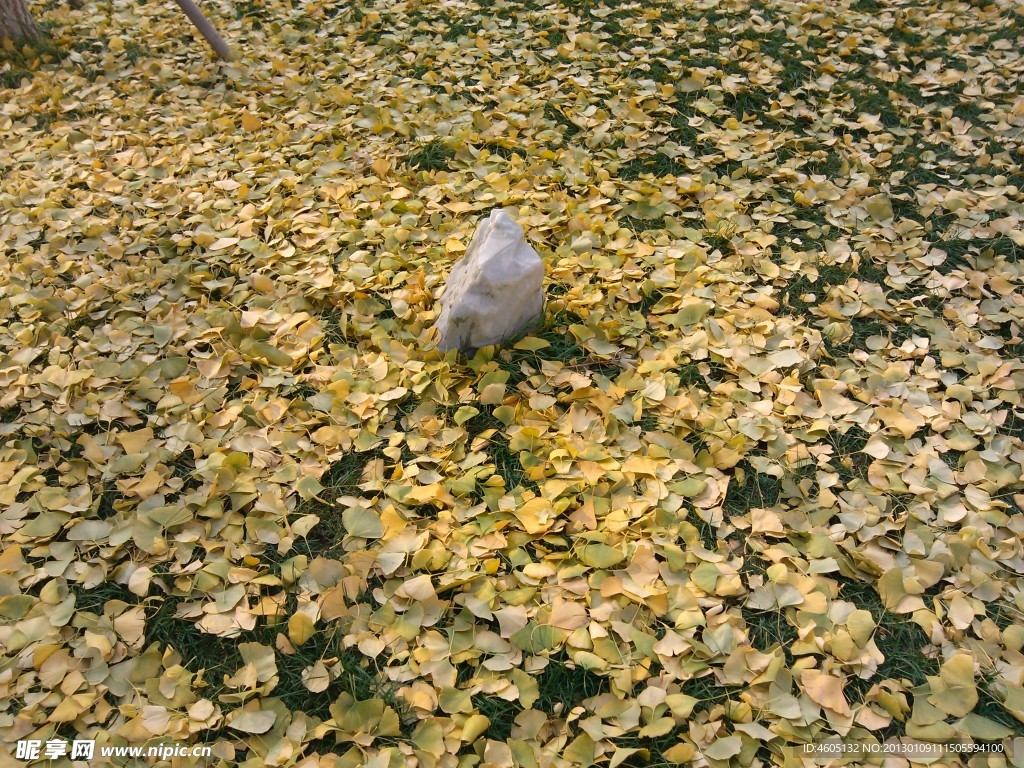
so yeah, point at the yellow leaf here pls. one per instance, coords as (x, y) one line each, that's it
(156, 719)
(251, 720)
(681, 753)
(261, 657)
(724, 748)
(878, 207)
(381, 166)
(300, 628)
(224, 242)
(954, 691)
(250, 122)
(766, 521)
(134, 442)
(316, 678)
(531, 344)
(568, 615)
(825, 690)
(474, 726)
(834, 403)
(536, 515)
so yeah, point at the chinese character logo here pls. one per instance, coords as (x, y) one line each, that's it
(55, 748)
(83, 749)
(28, 749)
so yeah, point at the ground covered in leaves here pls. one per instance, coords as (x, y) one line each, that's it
(756, 482)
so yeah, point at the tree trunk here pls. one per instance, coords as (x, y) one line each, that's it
(16, 23)
(205, 28)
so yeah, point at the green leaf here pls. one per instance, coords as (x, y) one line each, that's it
(465, 413)
(1013, 700)
(308, 487)
(261, 350)
(706, 576)
(364, 523)
(581, 752)
(691, 487)
(691, 313)
(600, 555)
(536, 638)
(452, 700)
(978, 727)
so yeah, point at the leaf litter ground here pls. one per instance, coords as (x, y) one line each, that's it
(755, 483)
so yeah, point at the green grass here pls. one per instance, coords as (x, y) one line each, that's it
(503, 151)
(250, 9)
(500, 712)
(691, 374)
(216, 657)
(749, 488)
(13, 77)
(561, 686)
(560, 119)
(454, 29)
(766, 628)
(342, 479)
(638, 225)
(106, 505)
(794, 298)
(562, 348)
(656, 164)
(432, 156)
(899, 639)
(848, 459)
(750, 102)
(93, 600)
(506, 462)
(21, 62)
(708, 692)
(1013, 426)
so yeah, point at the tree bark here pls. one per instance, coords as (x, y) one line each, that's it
(205, 28)
(16, 23)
